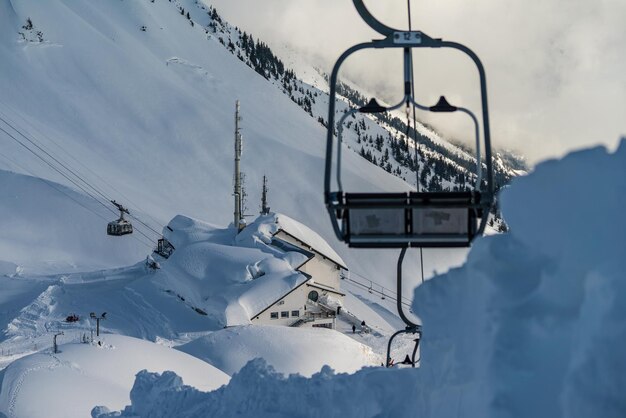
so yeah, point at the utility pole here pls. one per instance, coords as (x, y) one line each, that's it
(239, 219)
(54, 341)
(265, 210)
(92, 315)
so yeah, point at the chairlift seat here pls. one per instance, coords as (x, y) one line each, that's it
(396, 220)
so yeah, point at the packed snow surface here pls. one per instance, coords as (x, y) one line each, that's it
(70, 383)
(532, 325)
(288, 350)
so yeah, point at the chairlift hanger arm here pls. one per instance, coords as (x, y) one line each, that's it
(405, 319)
(371, 21)
(395, 35)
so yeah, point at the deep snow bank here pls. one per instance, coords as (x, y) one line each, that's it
(531, 325)
(288, 350)
(69, 383)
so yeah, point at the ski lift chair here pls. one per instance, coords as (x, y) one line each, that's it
(120, 226)
(410, 219)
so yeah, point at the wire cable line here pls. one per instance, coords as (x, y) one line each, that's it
(62, 173)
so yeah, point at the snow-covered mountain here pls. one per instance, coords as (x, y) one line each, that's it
(137, 99)
(134, 101)
(381, 139)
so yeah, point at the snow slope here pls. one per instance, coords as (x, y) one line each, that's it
(69, 383)
(288, 350)
(42, 221)
(542, 334)
(212, 280)
(147, 117)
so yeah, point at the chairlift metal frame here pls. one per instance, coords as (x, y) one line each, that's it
(411, 327)
(404, 215)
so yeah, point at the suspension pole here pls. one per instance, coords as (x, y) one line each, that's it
(407, 321)
(237, 174)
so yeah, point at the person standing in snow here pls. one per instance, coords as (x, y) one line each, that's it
(353, 328)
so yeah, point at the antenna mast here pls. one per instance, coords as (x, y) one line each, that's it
(265, 210)
(239, 220)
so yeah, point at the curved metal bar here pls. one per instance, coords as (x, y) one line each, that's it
(330, 134)
(485, 111)
(404, 318)
(371, 21)
(339, 139)
(331, 112)
(407, 330)
(389, 346)
(476, 130)
(419, 106)
(417, 344)
(479, 165)
(397, 106)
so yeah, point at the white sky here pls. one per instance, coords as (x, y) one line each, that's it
(556, 69)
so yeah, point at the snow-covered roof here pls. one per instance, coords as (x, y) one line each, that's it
(261, 294)
(230, 277)
(291, 248)
(309, 237)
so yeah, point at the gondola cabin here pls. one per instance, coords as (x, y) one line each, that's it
(119, 227)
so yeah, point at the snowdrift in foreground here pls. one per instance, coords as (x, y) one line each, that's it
(288, 350)
(532, 325)
(68, 384)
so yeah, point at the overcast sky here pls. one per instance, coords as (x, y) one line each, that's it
(556, 69)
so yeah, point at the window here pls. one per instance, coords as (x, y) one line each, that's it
(274, 315)
(295, 313)
(284, 314)
(313, 295)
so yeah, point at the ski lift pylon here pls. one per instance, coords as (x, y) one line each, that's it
(121, 226)
(409, 219)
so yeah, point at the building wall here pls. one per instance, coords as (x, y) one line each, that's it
(322, 269)
(295, 301)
